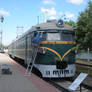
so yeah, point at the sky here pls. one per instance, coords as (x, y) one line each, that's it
(21, 15)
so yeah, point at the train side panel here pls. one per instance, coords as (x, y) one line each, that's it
(22, 48)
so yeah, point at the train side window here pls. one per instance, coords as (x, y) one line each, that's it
(44, 36)
(35, 34)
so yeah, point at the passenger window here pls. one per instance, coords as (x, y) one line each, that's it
(44, 36)
(35, 34)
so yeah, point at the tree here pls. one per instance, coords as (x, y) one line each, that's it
(71, 23)
(84, 28)
(3, 46)
(0, 45)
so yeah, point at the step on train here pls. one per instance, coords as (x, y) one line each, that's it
(56, 49)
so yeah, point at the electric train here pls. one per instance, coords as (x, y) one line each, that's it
(56, 49)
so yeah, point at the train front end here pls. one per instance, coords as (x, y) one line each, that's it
(56, 57)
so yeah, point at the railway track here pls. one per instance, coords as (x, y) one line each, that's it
(84, 68)
(85, 65)
(56, 84)
(63, 84)
(87, 68)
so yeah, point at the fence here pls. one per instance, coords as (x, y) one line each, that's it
(84, 55)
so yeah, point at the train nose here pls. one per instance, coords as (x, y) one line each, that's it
(61, 65)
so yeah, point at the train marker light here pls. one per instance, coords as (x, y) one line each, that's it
(42, 51)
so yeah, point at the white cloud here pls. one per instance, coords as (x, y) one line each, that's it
(75, 1)
(60, 13)
(69, 15)
(49, 12)
(49, 2)
(3, 12)
(52, 17)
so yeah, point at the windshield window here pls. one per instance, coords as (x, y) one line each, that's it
(67, 37)
(53, 37)
(57, 36)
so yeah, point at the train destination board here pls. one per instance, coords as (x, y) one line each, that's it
(78, 81)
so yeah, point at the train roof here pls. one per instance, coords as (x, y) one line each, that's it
(52, 25)
(49, 25)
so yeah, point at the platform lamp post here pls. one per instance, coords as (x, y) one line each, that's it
(1, 19)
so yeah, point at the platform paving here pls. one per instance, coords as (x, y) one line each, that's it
(17, 82)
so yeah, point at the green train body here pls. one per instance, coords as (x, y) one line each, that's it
(56, 54)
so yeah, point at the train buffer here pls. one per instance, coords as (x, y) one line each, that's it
(5, 69)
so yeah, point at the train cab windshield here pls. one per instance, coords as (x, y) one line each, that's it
(67, 37)
(58, 36)
(53, 37)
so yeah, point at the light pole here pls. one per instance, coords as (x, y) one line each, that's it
(1, 19)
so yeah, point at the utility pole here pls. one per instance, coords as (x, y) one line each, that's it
(45, 15)
(1, 32)
(20, 31)
(38, 19)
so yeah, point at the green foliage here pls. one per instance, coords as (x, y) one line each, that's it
(71, 23)
(84, 28)
(89, 72)
(2, 46)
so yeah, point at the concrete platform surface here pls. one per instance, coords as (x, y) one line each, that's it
(17, 82)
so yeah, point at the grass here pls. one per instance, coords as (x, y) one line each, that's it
(89, 72)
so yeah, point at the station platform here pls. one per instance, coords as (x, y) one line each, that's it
(17, 82)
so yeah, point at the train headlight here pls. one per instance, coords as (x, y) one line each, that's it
(42, 51)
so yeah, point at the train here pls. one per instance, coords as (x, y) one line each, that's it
(56, 49)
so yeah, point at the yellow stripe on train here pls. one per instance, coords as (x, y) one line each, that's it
(57, 42)
(55, 52)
